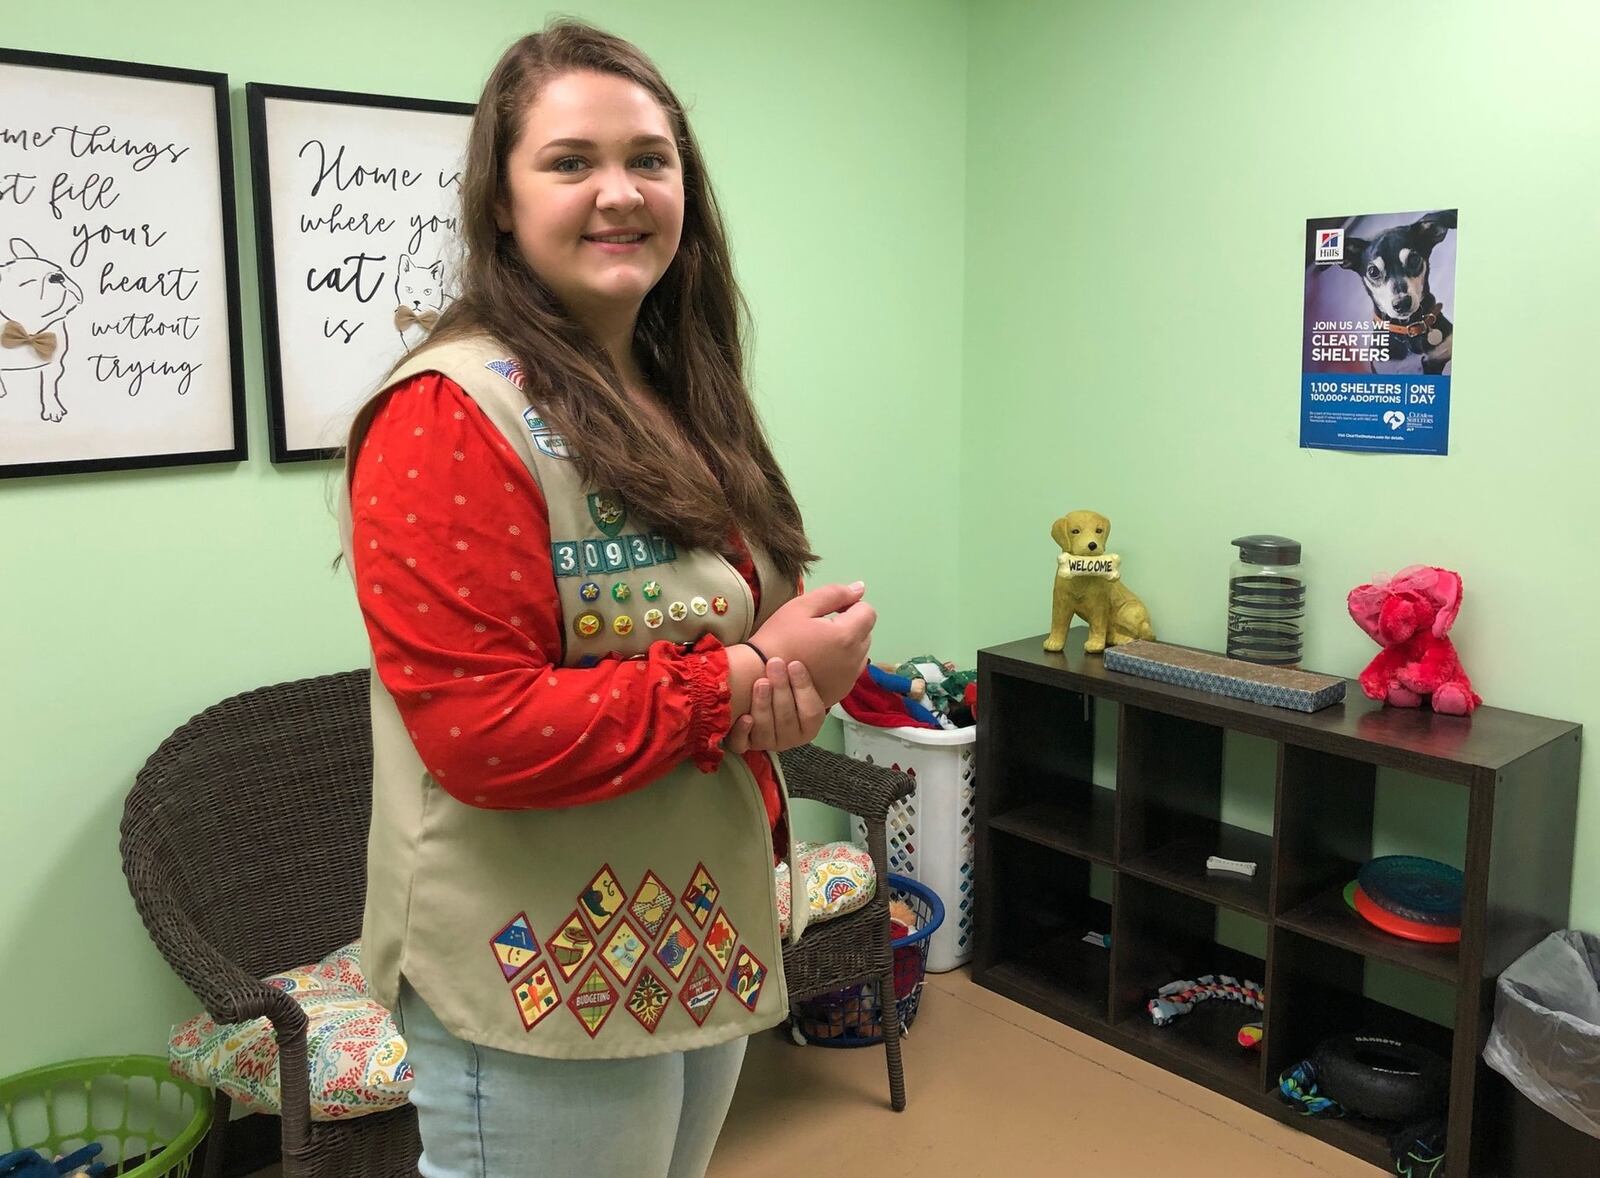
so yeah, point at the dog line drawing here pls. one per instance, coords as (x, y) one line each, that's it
(36, 296)
(1394, 268)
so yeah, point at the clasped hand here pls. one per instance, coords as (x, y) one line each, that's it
(816, 645)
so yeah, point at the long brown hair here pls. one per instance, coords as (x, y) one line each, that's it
(689, 337)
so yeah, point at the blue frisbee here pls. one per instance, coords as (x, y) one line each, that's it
(1423, 890)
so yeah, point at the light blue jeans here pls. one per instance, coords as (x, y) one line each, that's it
(496, 1114)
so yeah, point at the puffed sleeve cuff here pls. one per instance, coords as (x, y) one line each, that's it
(705, 667)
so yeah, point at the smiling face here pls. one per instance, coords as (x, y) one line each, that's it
(593, 192)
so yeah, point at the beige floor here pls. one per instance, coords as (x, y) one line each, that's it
(995, 1089)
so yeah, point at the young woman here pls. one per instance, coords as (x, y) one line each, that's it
(580, 566)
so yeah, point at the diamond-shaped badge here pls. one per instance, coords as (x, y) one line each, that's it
(720, 940)
(535, 996)
(676, 947)
(699, 993)
(748, 976)
(571, 945)
(700, 897)
(593, 1000)
(623, 950)
(602, 899)
(514, 946)
(651, 905)
(649, 1000)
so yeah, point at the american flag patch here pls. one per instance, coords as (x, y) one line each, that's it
(509, 369)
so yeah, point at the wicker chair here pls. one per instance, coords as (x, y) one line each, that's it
(244, 844)
(854, 948)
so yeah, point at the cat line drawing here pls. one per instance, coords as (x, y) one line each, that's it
(419, 297)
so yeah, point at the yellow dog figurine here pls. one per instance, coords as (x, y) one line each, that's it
(1089, 585)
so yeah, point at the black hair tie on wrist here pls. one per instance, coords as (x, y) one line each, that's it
(759, 654)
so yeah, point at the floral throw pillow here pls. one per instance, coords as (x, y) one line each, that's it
(356, 1055)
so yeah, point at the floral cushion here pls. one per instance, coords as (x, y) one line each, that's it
(839, 878)
(357, 1057)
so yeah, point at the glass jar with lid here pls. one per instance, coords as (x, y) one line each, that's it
(1266, 601)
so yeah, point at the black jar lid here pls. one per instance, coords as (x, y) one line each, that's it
(1268, 549)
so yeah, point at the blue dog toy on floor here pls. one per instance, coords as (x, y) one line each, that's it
(30, 1163)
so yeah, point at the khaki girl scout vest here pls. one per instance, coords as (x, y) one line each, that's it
(635, 926)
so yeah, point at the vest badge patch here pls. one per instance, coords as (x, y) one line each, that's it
(571, 945)
(509, 369)
(699, 993)
(514, 946)
(544, 437)
(593, 1001)
(748, 976)
(536, 997)
(651, 904)
(700, 897)
(721, 940)
(608, 513)
(648, 1002)
(676, 947)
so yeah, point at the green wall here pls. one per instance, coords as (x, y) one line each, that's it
(1138, 179)
(135, 600)
(1005, 259)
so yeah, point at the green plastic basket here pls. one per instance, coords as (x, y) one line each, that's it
(131, 1104)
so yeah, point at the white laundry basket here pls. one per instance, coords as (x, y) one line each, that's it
(932, 834)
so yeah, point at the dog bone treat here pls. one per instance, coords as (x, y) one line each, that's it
(1108, 566)
(1279, 687)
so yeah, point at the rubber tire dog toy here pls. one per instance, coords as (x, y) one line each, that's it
(1381, 1078)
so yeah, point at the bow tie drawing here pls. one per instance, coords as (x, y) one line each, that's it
(14, 335)
(404, 317)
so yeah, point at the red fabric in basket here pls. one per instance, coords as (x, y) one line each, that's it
(907, 962)
(878, 706)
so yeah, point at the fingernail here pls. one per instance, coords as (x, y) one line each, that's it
(857, 586)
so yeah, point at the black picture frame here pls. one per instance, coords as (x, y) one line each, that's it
(285, 449)
(217, 85)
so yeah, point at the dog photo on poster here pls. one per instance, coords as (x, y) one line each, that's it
(1379, 330)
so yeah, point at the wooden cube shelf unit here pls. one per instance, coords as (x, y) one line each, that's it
(1043, 823)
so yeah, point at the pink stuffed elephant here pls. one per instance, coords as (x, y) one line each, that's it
(1410, 615)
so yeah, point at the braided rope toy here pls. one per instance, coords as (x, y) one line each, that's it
(1176, 999)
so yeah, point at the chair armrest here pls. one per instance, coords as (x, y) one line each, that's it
(857, 787)
(225, 990)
